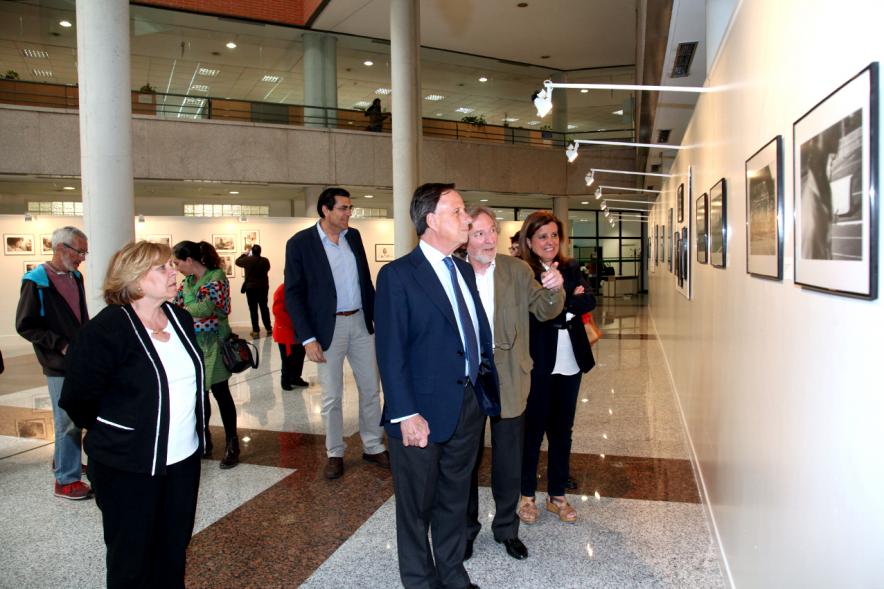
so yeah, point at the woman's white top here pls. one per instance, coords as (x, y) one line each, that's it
(566, 363)
(181, 376)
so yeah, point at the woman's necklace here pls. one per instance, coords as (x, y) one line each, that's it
(157, 330)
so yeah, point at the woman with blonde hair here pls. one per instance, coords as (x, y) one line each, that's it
(134, 380)
(561, 354)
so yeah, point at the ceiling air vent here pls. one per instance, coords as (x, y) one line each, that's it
(684, 56)
(663, 136)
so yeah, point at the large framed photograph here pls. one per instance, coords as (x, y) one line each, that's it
(161, 238)
(702, 228)
(18, 244)
(684, 259)
(227, 264)
(764, 211)
(671, 244)
(30, 265)
(383, 252)
(718, 224)
(224, 242)
(46, 244)
(249, 238)
(680, 202)
(836, 190)
(679, 279)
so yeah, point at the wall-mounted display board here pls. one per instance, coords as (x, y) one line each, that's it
(764, 211)
(836, 178)
(702, 228)
(718, 224)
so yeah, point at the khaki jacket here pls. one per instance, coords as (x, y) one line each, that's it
(516, 294)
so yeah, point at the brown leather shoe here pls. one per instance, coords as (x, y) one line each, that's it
(381, 459)
(334, 468)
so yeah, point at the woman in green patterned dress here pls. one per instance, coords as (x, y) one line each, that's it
(205, 294)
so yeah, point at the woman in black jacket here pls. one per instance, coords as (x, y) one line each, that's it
(135, 381)
(561, 353)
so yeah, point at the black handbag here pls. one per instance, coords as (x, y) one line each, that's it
(238, 354)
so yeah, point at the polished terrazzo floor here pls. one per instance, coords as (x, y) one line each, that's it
(274, 521)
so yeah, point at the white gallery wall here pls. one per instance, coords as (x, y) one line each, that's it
(273, 232)
(780, 386)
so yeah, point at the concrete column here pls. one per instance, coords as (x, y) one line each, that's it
(314, 84)
(560, 210)
(311, 197)
(105, 135)
(560, 104)
(329, 45)
(405, 75)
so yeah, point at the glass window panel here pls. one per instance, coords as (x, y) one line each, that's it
(605, 229)
(583, 225)
(631, 228)
(630, 253)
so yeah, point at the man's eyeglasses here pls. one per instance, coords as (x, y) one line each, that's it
(83, 253)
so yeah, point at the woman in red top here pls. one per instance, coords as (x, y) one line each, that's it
(290, 349)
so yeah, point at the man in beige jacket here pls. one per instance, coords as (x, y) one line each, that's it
(509, 293)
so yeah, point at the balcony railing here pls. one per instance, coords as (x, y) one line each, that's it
(180, 106)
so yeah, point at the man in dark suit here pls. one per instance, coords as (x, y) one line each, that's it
(330, 298)
(435, 358)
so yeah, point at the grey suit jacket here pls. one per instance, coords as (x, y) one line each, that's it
(516, 294)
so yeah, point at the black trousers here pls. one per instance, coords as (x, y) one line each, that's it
(257, 299)
(221, 391)
(148, 522)
(431, 486)
(507, 436)
(292, 363)
(552, 403)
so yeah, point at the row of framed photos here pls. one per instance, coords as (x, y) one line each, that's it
(836, 202)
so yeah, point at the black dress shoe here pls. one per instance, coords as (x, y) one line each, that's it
(300, 382)
(468, 553)
(472, 586)
(514, 548)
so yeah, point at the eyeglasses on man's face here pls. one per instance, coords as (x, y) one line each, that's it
(83, 253)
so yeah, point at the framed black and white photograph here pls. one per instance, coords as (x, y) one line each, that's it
(227, 264)
(679, 279)
(656, 244)
(383, 252)
(836, 190)
(764, 211)
(160, 238)
(249, 238)
(702, 228)
(680, 202)
(671, 245)
(224, 242)
(30, 265)
(718, 224)
(46, 244)
(684, 260)
(18, 244)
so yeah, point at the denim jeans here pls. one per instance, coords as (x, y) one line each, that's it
(68, 438)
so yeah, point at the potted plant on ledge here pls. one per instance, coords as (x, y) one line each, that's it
(144, 101)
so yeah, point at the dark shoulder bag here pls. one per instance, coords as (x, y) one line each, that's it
(238, 354)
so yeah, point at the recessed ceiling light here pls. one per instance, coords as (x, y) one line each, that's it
(532, 123)
(362, 104)
(464, 110)
(231, 45)
(510, 119)
(434, 97)
(499, 218)
(234, 192)
(191, 101)
(439, 114)
(68, 188)
(584, 202)
(270, 78)
(65, 23)
(200, 88)
(43, 73)
(383, 91)
(618, 112)
(205, 71)
(584, 91)
(572, 126)
(483, 79)
(369, 196)
(368, 63)
(483, 200)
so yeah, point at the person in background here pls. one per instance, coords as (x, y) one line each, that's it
(290, 349)
(561, 353)
(376, 116)
(51, 309)
(256, 285)
(205, 294)
(514, 245)
(135, 383)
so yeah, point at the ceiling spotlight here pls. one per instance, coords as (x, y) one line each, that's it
(231, 45)
(589, 178)
(368, 196)
(65, 23)
(483, 200)
(234, 192)
(543, 100)
(483, 79)
(604, 205)
(584, 202)
(607, 213)
(598, 193)
(616, 112)
(571, 152)
(68, 188)
(368, 63)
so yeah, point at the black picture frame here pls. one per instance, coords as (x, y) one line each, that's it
(764, 211)
(656, 244)
(718, 224)
(702, 228)
(671, 244)
(680, 202)
(679, 278)
(684, 260)
(836, 190)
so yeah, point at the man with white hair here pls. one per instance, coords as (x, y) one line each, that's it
(51, 309)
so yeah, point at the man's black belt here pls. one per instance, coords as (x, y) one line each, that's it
(347, 313)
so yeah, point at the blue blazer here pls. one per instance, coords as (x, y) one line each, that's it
(310, 296)
(420, 353)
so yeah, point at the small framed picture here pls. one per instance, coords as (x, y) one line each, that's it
(680, 202)
(383, 252)
(18, 244)
(679, 280)
(249, 238)
(718, 224)
(685, 260)
(30, 265)
(224, 242)
(764, 211)
(159, 238)
(46, 244)
(836, 183)
(656, 244)
(671, 240)
(702, 228)
(227, 264)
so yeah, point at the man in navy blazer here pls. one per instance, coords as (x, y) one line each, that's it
(434, 353)
(330, 298)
